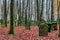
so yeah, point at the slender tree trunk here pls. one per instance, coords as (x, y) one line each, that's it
(29, 14)
(59, 18)
(23, 8)
(5, 15)
(39, 15)
(48, 10)
(19, 15)
(2, 21)
(52, 14)
(11, 18)
(37, 10)
(41, 10)
(26, 16)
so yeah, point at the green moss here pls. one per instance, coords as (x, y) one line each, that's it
(43, 28)
(59, 34)
(11, 32)
(51, 23)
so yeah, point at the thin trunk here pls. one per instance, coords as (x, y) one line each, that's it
(37, 10)
(29, 14)
(19, 14)
(26, 19)
(52, 14)
(5, 15)
(41, 10)
(59, 18)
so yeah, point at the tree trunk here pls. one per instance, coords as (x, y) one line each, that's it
(52, 14)
(5, 15)
(11, 18)
(59, 18)
(26, 16)
(37, 10)
(19, 14)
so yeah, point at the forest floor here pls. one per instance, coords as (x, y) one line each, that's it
(22, 34)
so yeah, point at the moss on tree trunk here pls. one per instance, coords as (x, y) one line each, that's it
(11, 18)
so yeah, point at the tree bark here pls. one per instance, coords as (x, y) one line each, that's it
(5, 15)
(52, 14)
(11, 18)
